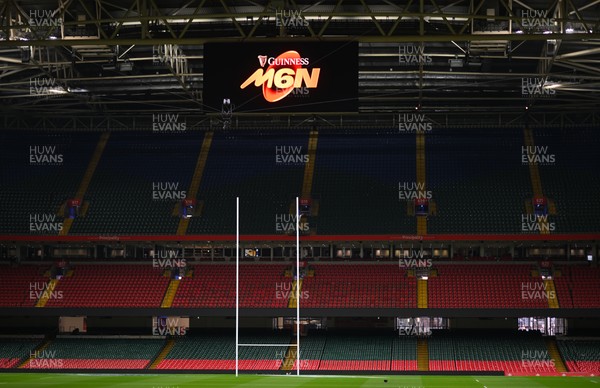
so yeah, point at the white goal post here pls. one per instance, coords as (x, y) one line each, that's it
(237, 290)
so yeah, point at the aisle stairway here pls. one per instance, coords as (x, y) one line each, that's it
(421, 179)
(309, 168)
(422, 354)
(554, 354)
(551, 292)
(289, 361)
(47, 294)
(163, 353)
(39, 350)
(87, 178)
(192, 192)
(170, 294)
(422, 294)
(536, 182)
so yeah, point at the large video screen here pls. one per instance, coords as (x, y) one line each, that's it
(281, 76)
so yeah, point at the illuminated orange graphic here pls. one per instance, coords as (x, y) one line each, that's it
(283, 75)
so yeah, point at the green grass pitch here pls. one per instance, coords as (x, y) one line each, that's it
(90, 380)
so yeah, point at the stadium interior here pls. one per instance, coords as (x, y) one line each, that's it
(284, 187)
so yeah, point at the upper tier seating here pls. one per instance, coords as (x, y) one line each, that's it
(357, 177)
(359, 285)
(485, 286)
(572, 180)
(138, 183)
(244, 165)
(339, 285)
(477, 180)
(111, 286)
(581, 284)
(39, 171)
(213, 286)
(21, 286)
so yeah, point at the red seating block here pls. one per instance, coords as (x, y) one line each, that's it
(484, 286)
(219, 364)
(213, 286)
(20, 284)
(6, 363)
(87, 364)
(112, 286)
(359, 285)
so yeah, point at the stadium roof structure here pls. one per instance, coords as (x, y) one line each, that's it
(475, 56)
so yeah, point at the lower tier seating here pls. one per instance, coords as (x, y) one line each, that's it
(13, 351)
(97, 353)
(581, 355)
(509, 352)
(94, 363)
(246, 364)
(216, 351)
(325, 351)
